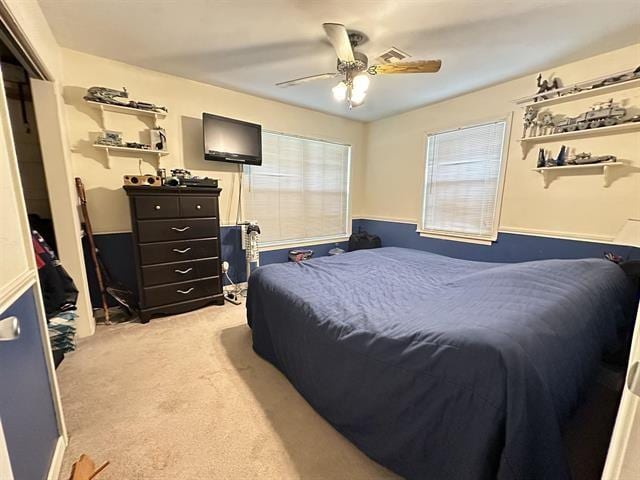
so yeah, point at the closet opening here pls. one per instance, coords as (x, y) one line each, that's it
(58, 289)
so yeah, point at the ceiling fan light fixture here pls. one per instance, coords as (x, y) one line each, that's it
(340, 92)
(357, 97)
(361, 83)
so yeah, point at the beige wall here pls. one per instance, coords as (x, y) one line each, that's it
(30, 18)
(573, 205)
(186, 100)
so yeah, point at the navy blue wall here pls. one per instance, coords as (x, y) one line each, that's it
(117, 250)
(508, 248)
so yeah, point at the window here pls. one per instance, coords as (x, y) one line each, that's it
(300, 193)
(463, 180)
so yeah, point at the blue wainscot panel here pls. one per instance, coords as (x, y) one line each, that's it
(508, 248)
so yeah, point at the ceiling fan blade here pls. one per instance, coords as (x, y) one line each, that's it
(418, 66)
(339, 38)
(298, 81)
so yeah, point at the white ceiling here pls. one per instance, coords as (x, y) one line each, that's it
(252, 44)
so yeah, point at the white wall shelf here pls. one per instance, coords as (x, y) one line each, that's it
(105, 107)
(605, 167)
(527, 142)
(588, 92)
(108, 149)
(159, 153)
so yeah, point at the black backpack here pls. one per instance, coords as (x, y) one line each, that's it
(363, 240)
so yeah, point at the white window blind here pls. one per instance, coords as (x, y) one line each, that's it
(462, 181)
(301, 190)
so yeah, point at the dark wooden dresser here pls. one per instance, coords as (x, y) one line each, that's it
(176, 232)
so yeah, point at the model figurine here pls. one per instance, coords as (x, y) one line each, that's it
(604, 114)
(545, 86)
(625, 77)
(586, 159)
(541, 160)
(560, 159)
(110, 138)
(107, 95)
(111, 97)
(546, 124)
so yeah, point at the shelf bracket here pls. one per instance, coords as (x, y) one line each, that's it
(606, 175)
(546, 178)
(103, 118)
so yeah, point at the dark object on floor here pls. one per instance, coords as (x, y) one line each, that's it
(363, 240)
(453, 369)
(299, 255)
(176, 233)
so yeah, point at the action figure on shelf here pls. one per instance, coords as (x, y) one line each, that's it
(546, 124)
(530, 122)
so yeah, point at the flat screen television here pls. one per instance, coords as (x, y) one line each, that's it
(230, 140)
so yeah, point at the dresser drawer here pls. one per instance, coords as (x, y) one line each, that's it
(180, 292)
(179, 271)
(192, 206)
(178, 251)
(176, 229)
(160, 206)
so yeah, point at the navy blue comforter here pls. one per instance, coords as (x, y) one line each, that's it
(440, 368)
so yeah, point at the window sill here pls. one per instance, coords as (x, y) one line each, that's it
(266, 247)
(457, 238)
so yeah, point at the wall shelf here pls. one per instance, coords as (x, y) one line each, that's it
(128, 150)
(526, 143)
(605, 167)
(106, 107)
(159, 153)
(590, 92)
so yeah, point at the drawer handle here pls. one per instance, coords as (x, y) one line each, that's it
(157, 207)
(198, 207)
(178, 229)
(185, 292)
(182, 272)
(184, 250)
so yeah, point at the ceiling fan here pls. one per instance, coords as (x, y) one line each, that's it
(354, 66)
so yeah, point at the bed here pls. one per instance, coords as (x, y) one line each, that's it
(441, 368)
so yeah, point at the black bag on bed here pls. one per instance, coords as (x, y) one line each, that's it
(363, 240)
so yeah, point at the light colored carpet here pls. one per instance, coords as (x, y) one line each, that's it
(185, 397)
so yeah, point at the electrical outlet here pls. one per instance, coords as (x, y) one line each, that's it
(225, 267)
